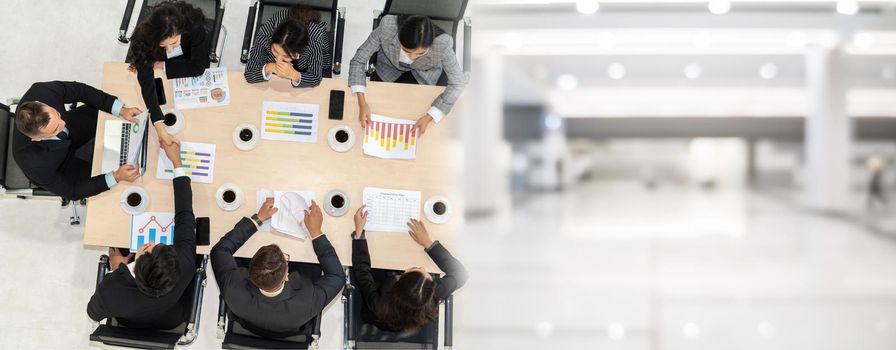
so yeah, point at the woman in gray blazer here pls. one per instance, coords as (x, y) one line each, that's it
(410, 49)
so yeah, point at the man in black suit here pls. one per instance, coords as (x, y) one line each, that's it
(147, 293)
(54, 147)
(265, 298)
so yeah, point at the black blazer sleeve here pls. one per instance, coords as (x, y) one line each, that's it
(96, 308)
(455, 273)
(70, 92)
(146, 79)
(363, 277)
(328, 286)
(53, 180)
(184, 227)
(223, 262)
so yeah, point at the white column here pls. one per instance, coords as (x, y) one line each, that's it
(487, 155)
(828, 132)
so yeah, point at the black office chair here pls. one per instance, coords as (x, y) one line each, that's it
(330, 12)
(12, 179)
(212, 9)
(235, 336)
(446, 14)
(362, 335)
(113, 333)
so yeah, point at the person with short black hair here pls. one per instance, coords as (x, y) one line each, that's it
(54, 146)
(174, 37)
(266, 298)
(145, 290)
(293, 44)
(410, 49)
(409, 300)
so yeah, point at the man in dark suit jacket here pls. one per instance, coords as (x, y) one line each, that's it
(150, 292)
(54, 147)
(266, 299)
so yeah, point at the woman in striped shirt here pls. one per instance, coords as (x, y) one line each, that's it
(293, 44)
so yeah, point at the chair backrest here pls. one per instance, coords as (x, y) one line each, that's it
(209, 7)
(12, 176)
(444, 13)
(327, 9)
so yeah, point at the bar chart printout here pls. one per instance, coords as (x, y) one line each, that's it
(390, 138)
(281, 121)
(151, 227)
(197, 158)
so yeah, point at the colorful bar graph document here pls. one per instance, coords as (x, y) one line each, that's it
(198, 160)
(390, 138)
(151, 227)
(390, 210)
(281, 121)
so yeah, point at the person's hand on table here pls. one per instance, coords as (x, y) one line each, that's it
(267, 210)
(314, 218)
(363, 112)
(130, 114)
(419, 234)
(126, 172)
(422, 123)
(360, 220)
(115, 258)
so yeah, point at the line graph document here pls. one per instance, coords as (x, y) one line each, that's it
(389, 210)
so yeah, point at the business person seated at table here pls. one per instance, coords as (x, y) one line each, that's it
(409, 300)
(145, 293)
(410, 49)
(54, 146)
(292, 45)
(173, 37)
(266, 298)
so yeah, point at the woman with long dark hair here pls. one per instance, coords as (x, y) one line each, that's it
(411, 299)
(174, 38)
(292, 45)
(410, 49)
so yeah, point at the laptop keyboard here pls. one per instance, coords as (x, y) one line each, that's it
(125, 143)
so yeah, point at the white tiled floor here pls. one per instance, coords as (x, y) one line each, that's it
(670, 269)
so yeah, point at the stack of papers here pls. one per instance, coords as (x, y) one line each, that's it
(290, 215)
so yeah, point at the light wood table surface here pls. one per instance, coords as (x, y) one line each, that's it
(282, 165)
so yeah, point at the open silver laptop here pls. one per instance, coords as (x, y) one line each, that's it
(125, 143)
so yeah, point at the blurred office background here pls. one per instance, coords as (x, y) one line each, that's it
(681, 175)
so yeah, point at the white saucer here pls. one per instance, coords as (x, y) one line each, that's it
(336, 145)
(431, 215)
(138, 209)
(219, 197)
(246, 145)
(178, 123)
(330, 209)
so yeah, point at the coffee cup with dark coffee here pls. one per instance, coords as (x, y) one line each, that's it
(245, 137)
(229, 196)
(439, 208)
(134, 199)
(341, 136)
(170, 119)
(246, 134)
(336, 203)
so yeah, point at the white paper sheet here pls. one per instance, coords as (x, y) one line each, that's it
(390, 138)
(282, 121)
(390, 210)
(207, 90)
(198, 160)
(290, 215)
(151, 227)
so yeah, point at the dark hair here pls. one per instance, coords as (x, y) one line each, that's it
(267, 267)
(157, 272)
(292, 35)
(411, 302)
(166, 19)
(31, 117)
(304, 14)
(415, 31)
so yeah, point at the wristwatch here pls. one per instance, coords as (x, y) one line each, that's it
(256, 219)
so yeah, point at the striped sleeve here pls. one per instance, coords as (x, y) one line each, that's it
(315, 55)
(260, 54)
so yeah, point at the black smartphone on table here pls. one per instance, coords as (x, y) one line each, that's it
(337, 102)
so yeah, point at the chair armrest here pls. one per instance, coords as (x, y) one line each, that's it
(101, 269)
(468, 34)
(449, 321)
(222, 316)
(247, 35)
(348, 298)
(216, 32)
(199, 286)
(337, 50)
(123, 29)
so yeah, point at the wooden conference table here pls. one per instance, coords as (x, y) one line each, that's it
(280, 165)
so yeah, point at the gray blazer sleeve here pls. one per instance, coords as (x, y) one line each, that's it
(456, 77)
(357, 71)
